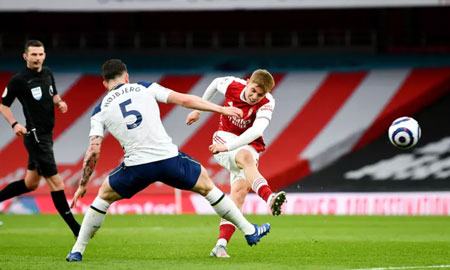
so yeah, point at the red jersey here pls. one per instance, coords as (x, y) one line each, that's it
(234, 96)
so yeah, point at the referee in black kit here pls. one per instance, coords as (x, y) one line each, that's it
(35, 89)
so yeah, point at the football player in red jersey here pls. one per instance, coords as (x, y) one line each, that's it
(238, 141)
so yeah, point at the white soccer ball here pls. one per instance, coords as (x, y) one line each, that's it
(404, 132)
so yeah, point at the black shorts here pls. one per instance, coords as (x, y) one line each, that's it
(40, 153)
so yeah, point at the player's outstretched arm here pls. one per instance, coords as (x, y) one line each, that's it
(194, 102)
(90, 160)
(208, 95)
(19, 130)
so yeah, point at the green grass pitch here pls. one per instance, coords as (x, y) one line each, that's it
(184, 242)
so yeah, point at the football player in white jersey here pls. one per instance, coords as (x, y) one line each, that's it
(238, 142)
(130, 113)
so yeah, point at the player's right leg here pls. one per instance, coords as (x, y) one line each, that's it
(246, 160)
(239, 190)
(13, 189)
(226, 208)
(93, 220)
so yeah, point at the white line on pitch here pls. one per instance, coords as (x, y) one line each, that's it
(407, 267)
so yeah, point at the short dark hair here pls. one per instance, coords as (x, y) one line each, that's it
(33, 43)
(113, 68)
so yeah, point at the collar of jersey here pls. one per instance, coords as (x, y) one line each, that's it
(117, 86)
(32, 71)
(242, 96)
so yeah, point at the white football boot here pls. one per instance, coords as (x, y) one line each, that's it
(219, 251)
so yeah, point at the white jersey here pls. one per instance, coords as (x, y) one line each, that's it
(131, 114)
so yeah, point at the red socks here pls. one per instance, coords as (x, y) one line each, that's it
(261, 187)
(226, 231)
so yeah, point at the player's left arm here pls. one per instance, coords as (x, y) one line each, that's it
(90, 161)
(57, 100)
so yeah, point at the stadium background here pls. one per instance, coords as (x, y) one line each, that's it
(343, 74)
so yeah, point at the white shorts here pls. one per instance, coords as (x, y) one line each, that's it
(228, 159)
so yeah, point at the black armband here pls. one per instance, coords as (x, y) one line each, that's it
(14, 124)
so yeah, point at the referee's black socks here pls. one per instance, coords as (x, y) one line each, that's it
(60, 202)
(13, 189)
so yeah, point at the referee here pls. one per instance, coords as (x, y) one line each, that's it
(35, 89)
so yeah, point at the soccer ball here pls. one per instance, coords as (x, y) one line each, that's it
(404, 132)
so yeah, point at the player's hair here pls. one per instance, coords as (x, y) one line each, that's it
(112, 69)
(33, 43)
(263, 79)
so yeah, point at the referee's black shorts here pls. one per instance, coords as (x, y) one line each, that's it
(40, 153)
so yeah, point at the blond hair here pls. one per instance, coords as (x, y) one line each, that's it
(263, 79)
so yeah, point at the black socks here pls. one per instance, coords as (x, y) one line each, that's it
(13, 189)
(60, 202)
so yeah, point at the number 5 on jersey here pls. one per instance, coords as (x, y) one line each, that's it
(125, 113)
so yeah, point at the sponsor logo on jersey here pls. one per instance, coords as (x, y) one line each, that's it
(239, 122)
(5, 92)
(50, 90)
(36, 92)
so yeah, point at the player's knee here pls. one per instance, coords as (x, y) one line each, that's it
(109, 196)
(204, 184)
(107, 193)
(238, 194)
(242, 192)
(58, 186)
(32, 181)
(55, 182)
(205, 187)
(32, 185)
(238, 197)
(245, 158)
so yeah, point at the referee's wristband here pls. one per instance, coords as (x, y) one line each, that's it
(14, 124)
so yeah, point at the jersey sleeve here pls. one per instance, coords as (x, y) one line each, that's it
(251, 134)
(217, 85)
(55, 90)
(97, 125)
(266, 110)
(160, 93)
(10, 92)
(223, 83)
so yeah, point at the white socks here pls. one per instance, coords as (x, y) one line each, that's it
(226, 208)
(91, 223)
(258, 183)
(221, 242)
(223, 206)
